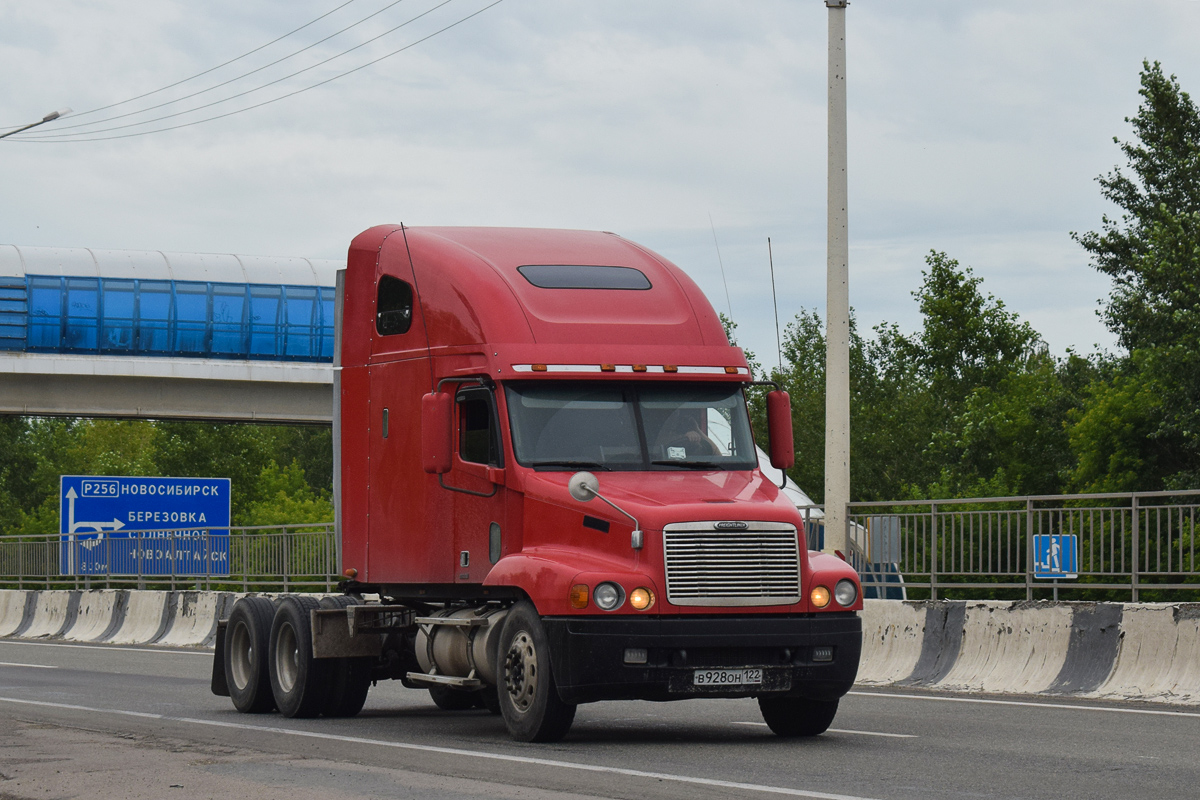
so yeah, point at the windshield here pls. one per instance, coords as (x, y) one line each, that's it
(618, 426)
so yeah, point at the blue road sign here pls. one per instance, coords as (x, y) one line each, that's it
(143, 526)
(1056, 556)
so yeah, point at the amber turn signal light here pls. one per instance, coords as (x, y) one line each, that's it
(819, 596)
(579, 595)
(350, 572)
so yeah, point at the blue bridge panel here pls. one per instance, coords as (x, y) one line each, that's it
(120, 316)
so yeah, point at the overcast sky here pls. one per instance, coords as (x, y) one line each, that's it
(976, 128)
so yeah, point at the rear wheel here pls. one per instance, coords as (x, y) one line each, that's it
(529, 701)
(349, 678)
(247, 642)
(299, 682)
(797, 716)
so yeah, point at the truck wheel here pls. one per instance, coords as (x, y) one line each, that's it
(488, 698)
(247, 643)
(448, 699)
(529, 701)
(298, 681)
(797, 716)
(349, 678)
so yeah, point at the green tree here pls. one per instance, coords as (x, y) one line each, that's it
(1152, 253)
(282, 496)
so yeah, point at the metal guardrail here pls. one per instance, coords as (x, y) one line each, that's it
(258, 558)
(1143, 543)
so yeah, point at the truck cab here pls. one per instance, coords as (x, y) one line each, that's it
(548, 487)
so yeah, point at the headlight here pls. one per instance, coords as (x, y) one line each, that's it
(608, 596)
(845, 592)
(641, 598)
(819, 596)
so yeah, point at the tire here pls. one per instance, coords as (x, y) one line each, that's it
(299, 682)
(797, 716)
(448, 699)
(247, 646)
(349, 678)
(529, 701)
(488, 698)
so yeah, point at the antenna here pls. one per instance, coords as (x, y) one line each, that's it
(775, 302)
(728, 305)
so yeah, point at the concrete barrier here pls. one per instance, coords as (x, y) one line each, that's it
(193, 617)
(1104, 650)
(94, 615)
(1100, 650)
(145, 620)
(53, 612)
(16, 605)
(1159, 656)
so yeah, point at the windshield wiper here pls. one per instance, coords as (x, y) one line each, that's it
(573, 464)
(690, 464)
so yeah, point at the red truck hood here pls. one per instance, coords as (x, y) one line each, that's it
(662, 497)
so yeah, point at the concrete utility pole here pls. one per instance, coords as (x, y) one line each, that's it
(837, 297)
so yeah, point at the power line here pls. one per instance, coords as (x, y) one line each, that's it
(218, 66)
(88, 135)
(230, 80)
(47, 140)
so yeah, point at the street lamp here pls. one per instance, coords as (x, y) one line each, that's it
(53, 115)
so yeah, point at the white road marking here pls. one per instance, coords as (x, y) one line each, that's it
(1067, 706)
(843, 730)
(455, 751)
(31, 666)
(147, 649)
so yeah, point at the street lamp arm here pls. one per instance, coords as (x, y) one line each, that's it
(53, 115)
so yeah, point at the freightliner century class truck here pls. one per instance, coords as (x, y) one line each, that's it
(548, 494)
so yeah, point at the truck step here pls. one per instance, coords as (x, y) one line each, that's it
(445, 680)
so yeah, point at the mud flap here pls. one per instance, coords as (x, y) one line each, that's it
(219, 685)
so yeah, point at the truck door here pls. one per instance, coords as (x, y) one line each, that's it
(477, 481)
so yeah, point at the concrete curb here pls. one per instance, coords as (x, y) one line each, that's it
(1148, 652)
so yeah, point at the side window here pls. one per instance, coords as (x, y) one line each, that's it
(478, 436)
(393, 306)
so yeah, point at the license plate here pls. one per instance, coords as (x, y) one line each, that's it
(727, 677)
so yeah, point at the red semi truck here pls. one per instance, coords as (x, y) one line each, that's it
(548, 494)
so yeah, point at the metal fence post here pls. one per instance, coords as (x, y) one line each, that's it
(933, 551)
(1029, 556)
(329, 566)
(141, 578)
(286, 564)
(1133, 578)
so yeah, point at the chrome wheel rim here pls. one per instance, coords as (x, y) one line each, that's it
(241, 655)
(287, 657)
(521, 671)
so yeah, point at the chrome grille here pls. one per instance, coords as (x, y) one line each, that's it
(709, 567)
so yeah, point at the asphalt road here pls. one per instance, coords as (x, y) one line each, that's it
(109, 722)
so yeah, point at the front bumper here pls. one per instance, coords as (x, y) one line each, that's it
(588, 655)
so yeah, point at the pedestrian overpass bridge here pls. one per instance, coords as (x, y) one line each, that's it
(121, 333)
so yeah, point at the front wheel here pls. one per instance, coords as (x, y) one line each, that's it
(529, 701)
(797, 716)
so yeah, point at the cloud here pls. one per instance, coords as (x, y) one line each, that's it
(974, 128)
